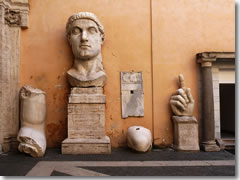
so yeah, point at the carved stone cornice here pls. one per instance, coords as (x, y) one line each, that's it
(15, 4)
(206, 58)
(15, 12)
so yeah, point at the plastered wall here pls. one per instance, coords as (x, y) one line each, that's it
(180, 30)
(158, 37)
(46, 56)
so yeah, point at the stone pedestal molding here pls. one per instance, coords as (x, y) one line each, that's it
(13, 17)
(86, 123)
(208, 142)
(185, 133)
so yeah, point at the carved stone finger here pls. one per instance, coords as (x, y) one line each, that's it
(178, 104)
(183, 94)
(181, 81)
(175, 110)
(189, 95)
(179, 98)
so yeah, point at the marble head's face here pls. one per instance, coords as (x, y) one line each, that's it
(85, 39)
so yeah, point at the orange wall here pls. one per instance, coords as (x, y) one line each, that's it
(180, 30)
(46, 56)
(158, 37)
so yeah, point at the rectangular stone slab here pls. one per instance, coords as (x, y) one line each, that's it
(132, 94)
(87, 98)
(185, 133)
(86, 146)
(86, 120)
(93, 90)
(86, 123)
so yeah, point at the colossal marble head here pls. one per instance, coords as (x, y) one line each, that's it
(85, 34)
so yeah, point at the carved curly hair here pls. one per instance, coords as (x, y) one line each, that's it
(84, 15)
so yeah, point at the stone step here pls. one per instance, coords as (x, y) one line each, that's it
(229, 143)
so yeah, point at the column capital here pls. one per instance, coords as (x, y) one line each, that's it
(16, 12)
(206, 59)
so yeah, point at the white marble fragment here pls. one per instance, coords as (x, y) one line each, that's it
(85, 34)
(139, 138)
(32, 136)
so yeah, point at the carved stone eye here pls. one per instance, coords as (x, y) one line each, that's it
(76, 31)
(92, 30)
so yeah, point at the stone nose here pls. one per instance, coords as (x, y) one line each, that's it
(84, 36)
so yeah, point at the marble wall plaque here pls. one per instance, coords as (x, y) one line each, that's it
(132, 94)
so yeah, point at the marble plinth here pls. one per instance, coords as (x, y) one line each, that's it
(185, 133)
(86, 146)
(86, 123)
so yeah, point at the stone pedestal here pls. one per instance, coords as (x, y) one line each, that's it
(86, 123)
(185, 133)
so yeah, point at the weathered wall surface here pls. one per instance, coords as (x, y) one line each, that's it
(180, 30)
(46, 56)
(158, 37)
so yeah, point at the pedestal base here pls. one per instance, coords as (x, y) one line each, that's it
(185, 133)
(210, 146)
(86, 122)
(86, 146)
(186, 148)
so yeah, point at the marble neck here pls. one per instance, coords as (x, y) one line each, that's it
(87, 66)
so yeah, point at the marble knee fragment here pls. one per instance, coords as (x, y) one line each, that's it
(32, 136)
(139, 138)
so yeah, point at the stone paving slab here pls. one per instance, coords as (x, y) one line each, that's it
(166, 171)
(122, 162)
(107, 168)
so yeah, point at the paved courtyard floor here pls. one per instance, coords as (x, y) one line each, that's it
(121, 162)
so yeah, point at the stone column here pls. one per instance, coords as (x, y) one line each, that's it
(13, 17)
(208, 142)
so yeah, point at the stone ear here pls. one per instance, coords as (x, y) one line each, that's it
(102, 37)
(68, 38)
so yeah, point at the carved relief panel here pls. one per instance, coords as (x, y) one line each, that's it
(132, 94)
